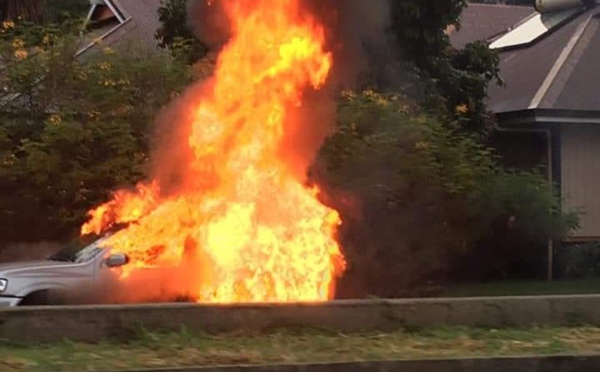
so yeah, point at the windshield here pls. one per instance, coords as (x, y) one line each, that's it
(84, 247)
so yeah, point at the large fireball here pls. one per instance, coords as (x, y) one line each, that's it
(243, 225)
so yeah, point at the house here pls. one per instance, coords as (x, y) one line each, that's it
(548, 110)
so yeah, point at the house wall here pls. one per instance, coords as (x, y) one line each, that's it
(580, 177)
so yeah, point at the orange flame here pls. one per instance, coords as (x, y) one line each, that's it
(242, 223)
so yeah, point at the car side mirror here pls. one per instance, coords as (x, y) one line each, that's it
(117, 260)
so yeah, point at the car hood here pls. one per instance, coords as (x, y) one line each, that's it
(33, 268)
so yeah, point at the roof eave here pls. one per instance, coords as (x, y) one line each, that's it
(548, 116)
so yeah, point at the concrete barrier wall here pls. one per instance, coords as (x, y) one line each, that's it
(93, 323)
(534, 364)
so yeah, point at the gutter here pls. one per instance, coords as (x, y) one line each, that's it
(549, 116)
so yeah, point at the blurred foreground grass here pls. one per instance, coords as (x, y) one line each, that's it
(287, 346)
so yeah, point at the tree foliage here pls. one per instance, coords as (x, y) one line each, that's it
(72, 129)
(174, 32)
(456, 81)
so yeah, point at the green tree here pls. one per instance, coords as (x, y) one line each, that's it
(456, 81)
(73, 129)
(174, 32)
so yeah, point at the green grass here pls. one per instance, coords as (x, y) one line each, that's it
(184, 349)
(523, 288)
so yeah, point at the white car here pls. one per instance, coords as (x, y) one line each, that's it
(79, 271)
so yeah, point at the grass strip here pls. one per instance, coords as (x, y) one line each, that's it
(292, 346)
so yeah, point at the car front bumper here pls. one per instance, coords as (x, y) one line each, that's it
(9, 301)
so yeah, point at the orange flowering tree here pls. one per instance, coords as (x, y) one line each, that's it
(72, 129)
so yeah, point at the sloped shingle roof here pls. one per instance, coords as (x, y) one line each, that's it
(139, 26)
(484, 21)
(560, 71)
(577, 83)
(143, 14)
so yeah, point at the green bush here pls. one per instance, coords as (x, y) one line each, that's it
(428, 194)
(578, 260)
